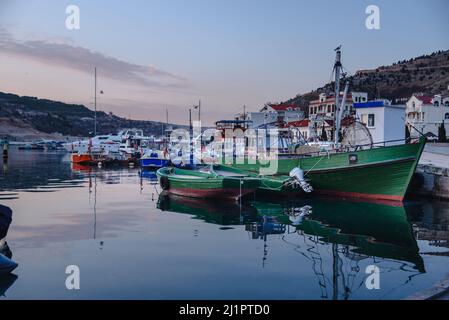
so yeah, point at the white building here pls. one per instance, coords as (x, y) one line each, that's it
(259, 119)
(324, 106)
(384, 121)
(273, 114)
(426, 113)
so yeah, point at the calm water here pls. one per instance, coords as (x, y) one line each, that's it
(131, 242)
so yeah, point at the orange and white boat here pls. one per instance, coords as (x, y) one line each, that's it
(81, 158)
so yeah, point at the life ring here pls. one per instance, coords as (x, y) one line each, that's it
(165, 184)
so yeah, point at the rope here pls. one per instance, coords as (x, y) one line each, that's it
(314, 166)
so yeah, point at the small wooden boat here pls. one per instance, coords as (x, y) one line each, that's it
(207, 183)
(286, 185)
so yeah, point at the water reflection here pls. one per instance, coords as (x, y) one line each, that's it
(352, 231)
(300, 249)
(431, 223)
(37, 172)
(223, 213)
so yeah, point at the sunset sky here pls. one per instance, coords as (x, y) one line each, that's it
(153, 55)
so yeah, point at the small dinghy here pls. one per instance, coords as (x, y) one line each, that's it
(6, 265)
(207, 183)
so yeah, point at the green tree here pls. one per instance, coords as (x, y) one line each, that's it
(442, 133)
(323, 133)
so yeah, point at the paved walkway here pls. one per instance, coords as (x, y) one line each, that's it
(436, 155)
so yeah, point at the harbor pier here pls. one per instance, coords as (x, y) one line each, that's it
(432, 175)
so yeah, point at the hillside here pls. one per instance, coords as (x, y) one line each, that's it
(32, 116)
(427, 73)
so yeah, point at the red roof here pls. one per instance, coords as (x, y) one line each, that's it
(283, 107)
(298, 124)
(424, 98)
(347, 121)
(331, 98)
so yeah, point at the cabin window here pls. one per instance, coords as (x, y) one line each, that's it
(353, 159)
(436, 104)
(446, 103)
(371, 120)
(446, 116)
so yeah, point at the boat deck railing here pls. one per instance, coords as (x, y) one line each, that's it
(354, 148)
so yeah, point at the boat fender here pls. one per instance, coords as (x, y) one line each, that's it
(165, 184)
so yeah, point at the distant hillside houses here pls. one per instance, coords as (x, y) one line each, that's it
(324, 106)
(426, 113)
(272, 114)
(385, 119)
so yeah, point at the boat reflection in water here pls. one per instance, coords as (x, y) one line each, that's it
(375, 233)
(223, 213)
(7, 279)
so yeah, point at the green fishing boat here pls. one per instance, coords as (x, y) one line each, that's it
(207, 183)
(382, 173)
(381, 170)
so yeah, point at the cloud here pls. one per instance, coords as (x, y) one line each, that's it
(67, 55)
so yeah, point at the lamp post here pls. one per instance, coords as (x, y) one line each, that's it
(190, 136)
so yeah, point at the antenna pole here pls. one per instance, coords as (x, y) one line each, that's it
(244, 116)
(166, 115)
(337, 68)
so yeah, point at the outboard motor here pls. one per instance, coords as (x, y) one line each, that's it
(297, 215)
(297, 176)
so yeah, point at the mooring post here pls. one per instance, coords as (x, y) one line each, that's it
(5, 149)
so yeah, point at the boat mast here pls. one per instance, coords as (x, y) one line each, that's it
(95, 104)
(337, 70)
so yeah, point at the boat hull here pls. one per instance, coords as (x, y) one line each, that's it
(214, 193)
(185, 183)
(154, 163)
(380, 173)
(81, 158)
